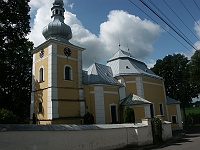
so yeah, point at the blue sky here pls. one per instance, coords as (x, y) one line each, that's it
(99, 25)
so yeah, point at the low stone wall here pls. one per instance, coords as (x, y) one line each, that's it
(76, 137)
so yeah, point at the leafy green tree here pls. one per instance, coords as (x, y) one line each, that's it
(195, 70)
(129, 115)
(7, 117)
(88, 118)
(175, 71)
(15, 57)
(157, 129)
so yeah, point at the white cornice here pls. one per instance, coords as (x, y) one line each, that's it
(48, 42)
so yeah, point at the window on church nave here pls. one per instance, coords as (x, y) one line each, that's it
(41, 75)
(68, 73)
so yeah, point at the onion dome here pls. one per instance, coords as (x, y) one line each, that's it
(57, 29)
(58, 2)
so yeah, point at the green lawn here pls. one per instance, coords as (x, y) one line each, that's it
(195, 110)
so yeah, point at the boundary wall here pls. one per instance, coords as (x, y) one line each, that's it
(78, 137)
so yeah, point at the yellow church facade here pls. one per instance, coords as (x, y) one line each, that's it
(62, 92)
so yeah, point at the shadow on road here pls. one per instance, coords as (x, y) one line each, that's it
(180, 137)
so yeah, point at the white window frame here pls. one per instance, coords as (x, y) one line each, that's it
(71, 73)
(39, 77)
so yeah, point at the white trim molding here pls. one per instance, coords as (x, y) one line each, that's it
(33, 87)
(99, 104)
(105, 92)
(139, 86)
(151, 83)
(122, 90)
(52, 106)
(82, 103)
(70, 58)
(147, 111)
(179, 118)
(166, 101)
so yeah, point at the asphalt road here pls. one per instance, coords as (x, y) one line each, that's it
(190, 141)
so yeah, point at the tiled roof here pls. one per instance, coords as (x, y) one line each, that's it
(123, 63)
(99, 74)
(133, 99)
(171, 101)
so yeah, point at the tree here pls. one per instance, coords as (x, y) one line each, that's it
(129, 115)
(195, 70)
(88, 118)
(15, 57)
(7, 117)
(175, 71)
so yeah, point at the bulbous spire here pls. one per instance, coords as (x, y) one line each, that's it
(57, 29)
(58, 2)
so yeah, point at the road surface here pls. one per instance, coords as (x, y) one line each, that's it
(190, 141)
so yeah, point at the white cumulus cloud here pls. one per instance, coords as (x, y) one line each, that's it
(120, 26)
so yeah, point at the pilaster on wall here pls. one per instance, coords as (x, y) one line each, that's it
(99, 104)
(139, 86)
(166, 101)
(33, 87)
(82, 102)
(179, 116)
(52, 106)
(122, 90)
(80, 76)
(147, 111)
(80, 84)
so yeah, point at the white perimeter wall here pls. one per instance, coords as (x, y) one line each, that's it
(102, 137)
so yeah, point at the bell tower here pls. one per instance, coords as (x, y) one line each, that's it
(57, 86)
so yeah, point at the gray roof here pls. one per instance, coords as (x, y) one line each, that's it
(123, 54)
(133, 99)
(171, 101)
(99, 74)
(123, 63)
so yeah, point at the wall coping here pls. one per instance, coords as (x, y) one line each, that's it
(66, 127)
(167, 122)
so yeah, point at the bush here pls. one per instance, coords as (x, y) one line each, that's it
(157, 129)
(88, 118)
(7, 117)
(193, 119)
(129, 115)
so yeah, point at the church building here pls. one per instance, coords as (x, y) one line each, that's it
(62, 92)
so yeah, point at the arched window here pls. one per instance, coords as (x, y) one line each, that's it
(41, 74)
(67, 73)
